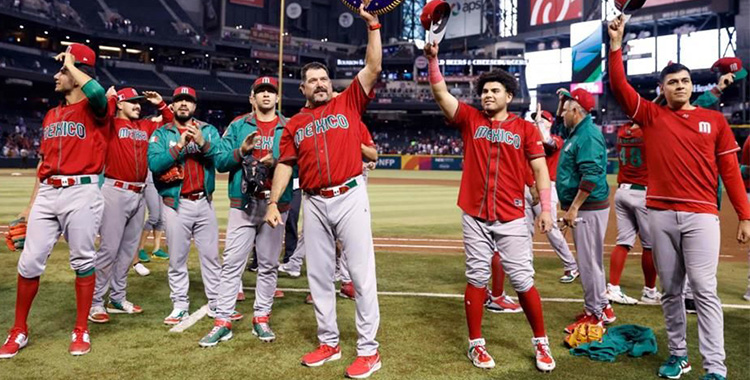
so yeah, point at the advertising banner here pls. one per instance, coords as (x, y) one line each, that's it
(586, 49)
(466, 18)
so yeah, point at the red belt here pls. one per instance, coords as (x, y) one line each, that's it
(128, 186)
(336, 190)
(193, 196)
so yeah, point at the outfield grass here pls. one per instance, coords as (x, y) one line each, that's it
(421, 338)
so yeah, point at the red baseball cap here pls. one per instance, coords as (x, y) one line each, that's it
(730, 65)
(546, 115)
(266, 82)
(128, 94)
(433, 12)
(184, 92)
(82, 54)
(583, 97)
(629, 5)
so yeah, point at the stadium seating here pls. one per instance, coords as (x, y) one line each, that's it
(135, 77)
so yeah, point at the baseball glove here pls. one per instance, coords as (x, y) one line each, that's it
(175, 173)
(254, 175)
(16, 235)
(585, 333)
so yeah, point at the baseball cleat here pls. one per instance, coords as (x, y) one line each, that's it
(713, 376)
(159, 254)
(478, 354)
(221, 332)
(615, 294)
(569, 276)
(583, 318)
(80, 342)
(240, 296)
(544, 360)
(287, 268)
(278, 294)
(143, 256)
(262, 329)
(746, 297)
(98, 314)
(124, 307)
(650, 296)
(17, 339)
(308, 299)
(235, 316)
(364, 366)
(324, 353)
(253, 266)
(141, 270)
(176, 317)
(608, 315)
(347, 290)
(675, 367)
(502, 304)
(690, 306)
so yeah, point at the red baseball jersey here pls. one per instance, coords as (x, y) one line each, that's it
(553, 156)
(74, 141)
(746, 161)
(193, 170)
(127, 149)
(325, 141)
(632, 156)
(266, 130)
(496, 156)
(683, 149)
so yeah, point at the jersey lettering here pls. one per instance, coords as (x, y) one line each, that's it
(320, 126)
(498, 135)
(65, 129)
(704, 127)
(264, 143)
(134, 134)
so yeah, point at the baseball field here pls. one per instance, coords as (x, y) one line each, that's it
(423, 334)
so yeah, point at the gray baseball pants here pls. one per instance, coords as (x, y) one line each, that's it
(687, 243)
(154, 206)
(120, 231)
(555, 236)
(588, 236)
(197, 220)
(347, 218)
(632, 216)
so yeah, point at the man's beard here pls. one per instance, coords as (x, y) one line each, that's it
(183, 119)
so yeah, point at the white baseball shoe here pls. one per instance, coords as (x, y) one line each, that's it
(286, 268)
(176, 317)
(747, 294)
(478, 354)
(616, 295)
(141, 270)
(650, 296)
(544, 360)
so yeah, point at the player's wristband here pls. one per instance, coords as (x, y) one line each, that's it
(434, 70)
(375, 27)
(545, 199)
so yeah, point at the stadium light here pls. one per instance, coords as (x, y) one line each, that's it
(123, 45)
(109, 48)
(46, 32)
(133, 51)
(20, 26)
(183, 52)
(67, 37)
(206, 55)
(151, 49)
(88, 41)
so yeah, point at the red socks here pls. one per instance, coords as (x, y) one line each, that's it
(27, 288)
(617, 263)
(649, 268)
(84, 297)
(532, 307)
(474, 304)
(498, 276)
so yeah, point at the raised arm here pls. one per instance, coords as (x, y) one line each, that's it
(447, 102)
(369, 75)
(91, 88)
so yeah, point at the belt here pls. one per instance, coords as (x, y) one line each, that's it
(65, 181)
(193, 196)
(263, 194)
(334, 191)
(128, 186)
(632, 186)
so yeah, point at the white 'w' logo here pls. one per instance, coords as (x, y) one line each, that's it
(704, 127)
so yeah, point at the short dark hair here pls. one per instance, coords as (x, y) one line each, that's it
(88, 70)
(505, 78)
(671, 69)
(312, 66)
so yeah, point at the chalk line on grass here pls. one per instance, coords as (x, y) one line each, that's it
(191, 320)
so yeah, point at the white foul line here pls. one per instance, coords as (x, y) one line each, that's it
(191, 320)
(461, 296)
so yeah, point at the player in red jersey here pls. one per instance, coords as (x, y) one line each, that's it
(66, 198)
(745, 170)
(498, 148)
(688, 147)
(126, 168)
(325, 141)
(632, 217)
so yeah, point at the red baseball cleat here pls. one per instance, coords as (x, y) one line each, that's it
(240, 296)
(347, 290)
(586, 318)
(278, 294)
(17, 339)
(364, 366)
(324, 353)
(80, 342)
(609, 315)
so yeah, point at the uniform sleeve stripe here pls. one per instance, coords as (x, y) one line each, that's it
(173, 151)
(532, 156)
(728, 151)
(637, 107)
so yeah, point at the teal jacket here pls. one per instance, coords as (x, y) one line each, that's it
(163, 154)
(583, 165)
(229, 158)
(634, 340)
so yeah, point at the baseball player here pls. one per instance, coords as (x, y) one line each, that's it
(745, 170)
(66, 198)
(125, 171)
(325, 141)
(552, 145)
(256, 134)
(584, 196)
(498, 147)
(154, 222)
(180, 154)
(682, 203)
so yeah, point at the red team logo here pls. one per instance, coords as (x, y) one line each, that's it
(551, 11)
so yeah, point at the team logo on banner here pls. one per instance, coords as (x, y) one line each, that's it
(551, 11)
